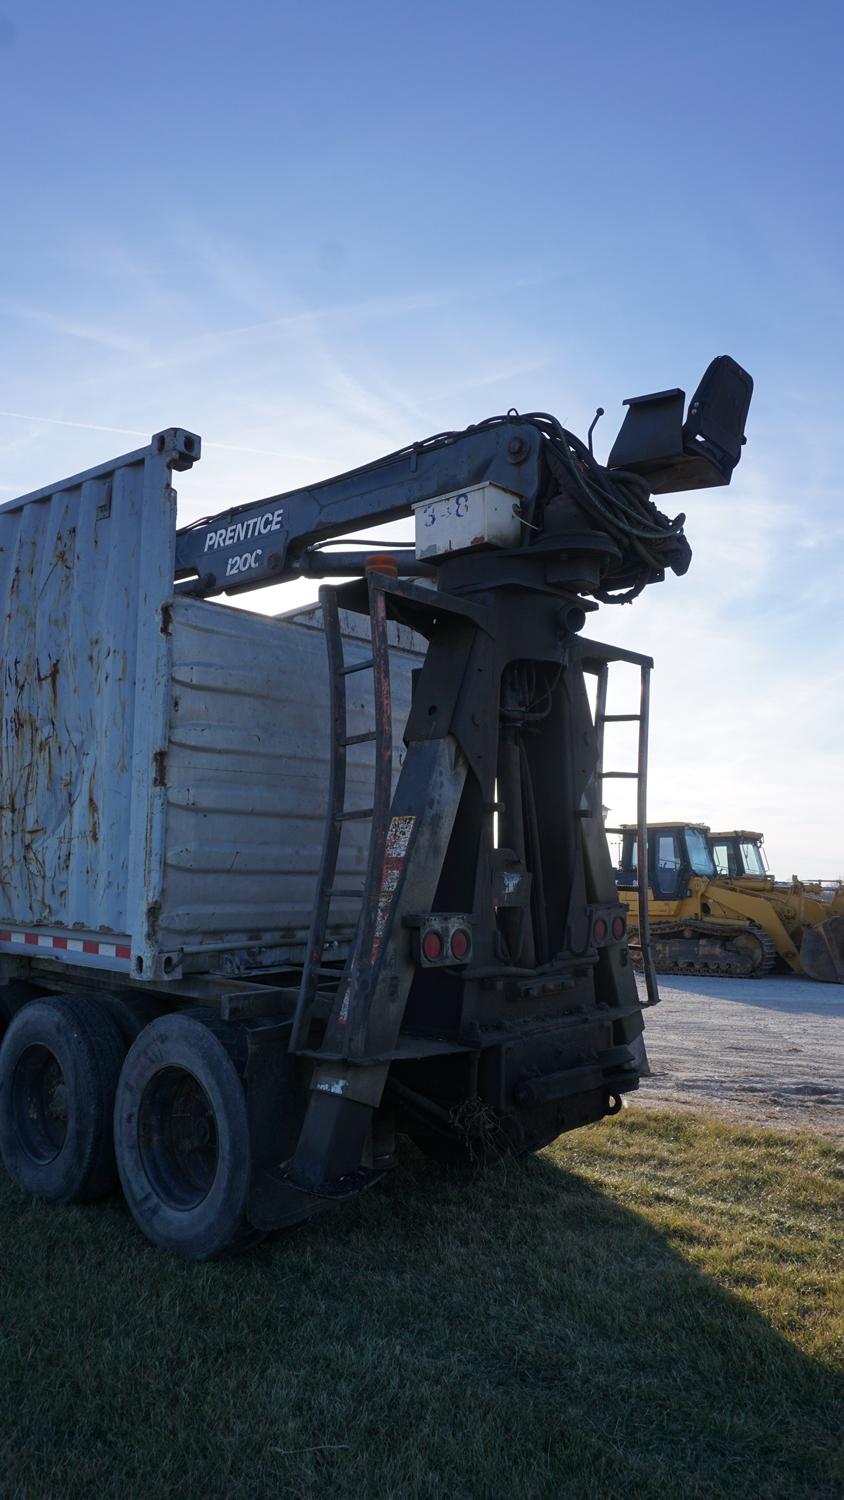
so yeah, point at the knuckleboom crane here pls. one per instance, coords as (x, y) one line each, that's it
(489, 1001)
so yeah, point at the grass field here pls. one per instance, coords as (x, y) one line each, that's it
(654, 1307)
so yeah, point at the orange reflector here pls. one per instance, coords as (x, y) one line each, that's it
(382, 562)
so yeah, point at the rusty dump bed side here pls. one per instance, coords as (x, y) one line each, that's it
(85, 567)
(163, 761)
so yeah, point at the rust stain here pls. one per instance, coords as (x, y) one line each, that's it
(93, 813)
(51, 676)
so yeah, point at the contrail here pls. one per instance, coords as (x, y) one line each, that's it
(21, 416)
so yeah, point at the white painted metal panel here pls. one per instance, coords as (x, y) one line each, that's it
(247, 778)
(163, 761)
(85, 567)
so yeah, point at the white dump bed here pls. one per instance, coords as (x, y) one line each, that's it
(164, 761)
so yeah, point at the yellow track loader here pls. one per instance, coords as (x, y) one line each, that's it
(715, 909)
(811, 911)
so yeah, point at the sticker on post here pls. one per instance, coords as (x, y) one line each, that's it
(396, 850)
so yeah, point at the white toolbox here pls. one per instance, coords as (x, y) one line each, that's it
(485, 515)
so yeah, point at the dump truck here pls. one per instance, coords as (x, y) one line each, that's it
(274, 891)
(715, 908)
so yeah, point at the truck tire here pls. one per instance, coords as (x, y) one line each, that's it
(13, 997)
(7, 1011)
(59, 1065)
(182, 1136)
(130, 1012)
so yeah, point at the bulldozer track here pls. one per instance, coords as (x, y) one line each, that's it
(720, 959)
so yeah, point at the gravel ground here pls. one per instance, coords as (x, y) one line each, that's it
(769, 1051)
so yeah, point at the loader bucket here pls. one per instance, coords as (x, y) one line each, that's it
(822, 951)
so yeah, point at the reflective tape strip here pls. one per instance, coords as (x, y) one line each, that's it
(88, 947)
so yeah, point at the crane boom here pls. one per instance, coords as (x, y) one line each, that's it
(557, 491)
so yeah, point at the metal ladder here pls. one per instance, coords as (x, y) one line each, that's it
(353, 978)
(640, 776)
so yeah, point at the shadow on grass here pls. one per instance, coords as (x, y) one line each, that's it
(516, 1334)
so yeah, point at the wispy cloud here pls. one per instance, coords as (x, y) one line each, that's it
(104, 335)
(510, 370)
(137, 432)
(22, 416)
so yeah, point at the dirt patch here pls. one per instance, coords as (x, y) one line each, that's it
(768, 1051)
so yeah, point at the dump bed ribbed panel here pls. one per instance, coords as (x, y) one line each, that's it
(247, 775)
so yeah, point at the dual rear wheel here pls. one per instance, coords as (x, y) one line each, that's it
(168, 1117)
(181, 1133)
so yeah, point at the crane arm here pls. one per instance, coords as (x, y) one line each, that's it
(550, 481)
(267, 541)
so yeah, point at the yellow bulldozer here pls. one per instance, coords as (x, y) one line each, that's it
(812, 911)
(716, 909)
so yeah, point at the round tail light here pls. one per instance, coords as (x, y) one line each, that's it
(432, 946)
(461, 942)
(599, 931)
(618, 928)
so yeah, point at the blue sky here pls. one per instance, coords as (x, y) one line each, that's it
(312, 233)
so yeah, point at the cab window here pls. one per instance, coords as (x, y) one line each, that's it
(752, 858)
(700, 858)
(667, 865)
(724, 863)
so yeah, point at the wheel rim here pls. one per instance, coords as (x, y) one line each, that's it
(40, 1101)
(177, 1136)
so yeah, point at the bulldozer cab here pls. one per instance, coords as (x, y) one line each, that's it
(739, 855)
(676, 852)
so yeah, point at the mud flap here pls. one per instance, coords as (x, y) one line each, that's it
(640, 1056)
(822, 951)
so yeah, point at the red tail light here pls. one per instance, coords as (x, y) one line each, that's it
(461, 942)
(432, 945)
(599, 931)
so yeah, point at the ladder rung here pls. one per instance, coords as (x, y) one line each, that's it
(357, 666)
(627, 775)
(359, 739)
(620, 718)
(357, 815)
(337, 890)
